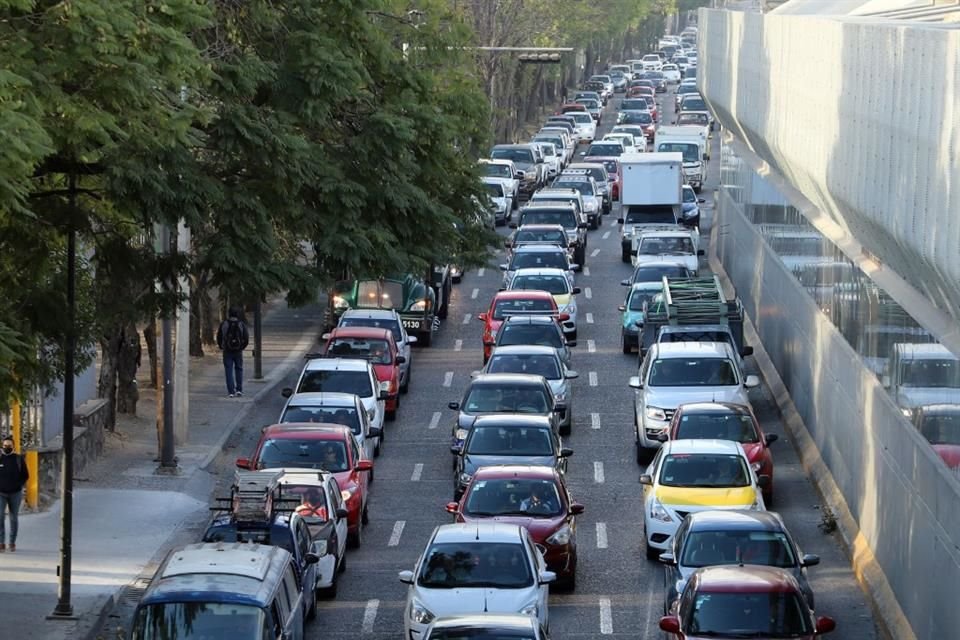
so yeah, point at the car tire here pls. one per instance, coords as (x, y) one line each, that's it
(365, 516)
(343, 564)
(329, 593)
(627, 349)
(391, 415)
(354, 540)
(569, 584)
(624, 256)
(653, 553)
(457, 279)
(425, 338)
(566, 429)
(312, 610)
(595, 224)
(405, 387)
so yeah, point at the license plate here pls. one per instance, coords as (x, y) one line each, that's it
(411, 324)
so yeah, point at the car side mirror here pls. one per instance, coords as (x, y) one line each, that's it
(411, 339)
(518, 175)
(571, 343)
(570, 374)
(770, 438)
(751, 382)
(574, 266)
(504, 267)
(401, 359)
(547, 577)
(311, 558)
(576, 290)
(746, 351)
(635, 382)
(622, 307)
(825, 625)
(453, 405)
(670, 624)
(406, 577)
(452, 507)
(763, 481)
(482, 317)
(701, 200)
(809, 560)
(583, 153)
(513, 225)
(374, 432)
(667, 558)
(342, 513)
(619, 220)
(286, 392)
(625, 283)
(364, 465)
(566, 453)
(700, 252)
(243, 463)
(576, 508)
(646, 479)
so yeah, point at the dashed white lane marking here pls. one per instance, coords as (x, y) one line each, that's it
(606, 617)
(396, 533)
(614, 223)
(601, 535)
(435, 420)
(417, 472)
(589, 318)
(595, 253)
(369, 616)
(588, 292)
(591, 346)
(474, 294)
(466, 318)
(448, 378)
(598, 472)
(594, 420)
(606, 234)
(593, 378)
(481, 271)
(586, 271)
(458, 345)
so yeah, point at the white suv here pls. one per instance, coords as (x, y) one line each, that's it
(677, 373)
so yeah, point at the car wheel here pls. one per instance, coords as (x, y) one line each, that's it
(343, 564)
(312, 611)
(391, 415)
(570, 583)
(329, 593)
(653, 553)
(595, 223)
(354, 540)
(567, 428)
(365, 516)
(626, 347)
(405, 387)
(624, 256)
(425, 338)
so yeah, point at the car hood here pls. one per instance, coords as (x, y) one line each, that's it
(672, 397)
(562, 299)
(540, 528)
(523, 166)
(473, 462)
(446, 602)
(913, 397)
(499, 203)
(689, 206)
(734, 497)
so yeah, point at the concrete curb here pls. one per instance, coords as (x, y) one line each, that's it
(892, 622)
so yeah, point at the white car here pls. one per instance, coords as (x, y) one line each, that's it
(695, 475)
(627, 140)
(669, 243)
(586, 125)
(556, 282)
(552, 157)
(671, 73)
(500, 203)
(676, 373)
(480, 567)
(639, 136)
(652, 62)
(505, 172)
(337, 408)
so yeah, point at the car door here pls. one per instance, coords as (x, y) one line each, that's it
(539, 566)
(379, 405)
(404, 347)
(360, 477)
(304, 546)
(293, 628)
(367, 444)
(336, 503)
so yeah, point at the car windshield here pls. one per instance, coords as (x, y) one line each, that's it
(376, 351)
(738, 427)
(480, 631)
(497, 170)
(506, 398)
(690, 151)
(509, 441)
(475, 564)
(692, 372)
(878, 341)
(636, 117)
(711, 548)
(611, 167)
(933, 373)
(567, 219)
(535, 334)
(583, 186)
(689, 196)
(379, 294)
(329, 455)
(704, 470)
(547, 148)
(693, 104)
(392, 325)
(612, 149)
(665, 246)
(505, 308)
(655, 273)
(355, 382)
(188, 620)
(942, 429)
(494, 189)
(633, 104)
(638, 297)
(554, 285)
(589, 103)
(557, 143)
(514, 496)
(347, 416)
(751, 615)
(553, 236)
(524, 156)
(625, 140)
(687, 88)
(539, 260)
(532, 364)
(693, 118)
(582, 118)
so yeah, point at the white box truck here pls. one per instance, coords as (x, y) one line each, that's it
(651, 192)
(691, 142)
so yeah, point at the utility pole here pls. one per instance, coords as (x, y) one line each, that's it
(181, 364)
(168, 460)
(257, 341)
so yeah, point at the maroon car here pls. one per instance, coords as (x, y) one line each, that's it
(743, 601)
(533, 497)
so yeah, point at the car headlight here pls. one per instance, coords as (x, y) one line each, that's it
(419, 305)
(562, 536)
(658, 512)
(349, 492)
(531, 610)
(570, 309)
(907, 412)
(420, 614)
(655, 413)
(465, 478)
(590, 205)
(339, 302)
(461, 434)
(561, 397)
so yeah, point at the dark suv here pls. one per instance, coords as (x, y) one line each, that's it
(574, 224)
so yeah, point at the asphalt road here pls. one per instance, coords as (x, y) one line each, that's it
(619, 592)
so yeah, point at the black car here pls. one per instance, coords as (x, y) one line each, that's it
(732, 537)
(507, 439)
(566, 215)
(659, 82)
(656, 272)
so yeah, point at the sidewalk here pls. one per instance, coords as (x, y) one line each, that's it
(126, 516)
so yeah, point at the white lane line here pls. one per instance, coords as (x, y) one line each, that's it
(458, 345)
(614, 223)
(369, 616)
(396, 533)
(606, 617)
(466, 318)
(481, 271)
(595, 253)
(598, 472)
(591, 346)
(601, 535)
(593, 378)
(594, 420)
(589, 318)
(606, 234)
(586, 271)
(588, 292)
(448, 378)
(474, 294)
(417, 472)
(435, 420)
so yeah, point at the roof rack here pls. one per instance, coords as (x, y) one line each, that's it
(256, 498)
(693, 301)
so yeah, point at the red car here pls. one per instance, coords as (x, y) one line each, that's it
(743, 601)
(727, 421)
(533, 497)
(379, 348)
(332, 447)
(507, 303)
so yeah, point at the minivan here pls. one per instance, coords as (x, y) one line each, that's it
(222, 590)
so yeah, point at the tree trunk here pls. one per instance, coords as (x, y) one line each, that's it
(150, 336)
(107, 382)
(128, 361)
(196, 320)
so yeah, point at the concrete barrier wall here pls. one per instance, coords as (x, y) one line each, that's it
(863, 118)
(904, 501)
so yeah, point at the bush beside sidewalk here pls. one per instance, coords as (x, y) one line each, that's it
(126, 517)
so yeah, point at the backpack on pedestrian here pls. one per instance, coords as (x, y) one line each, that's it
(235, 338)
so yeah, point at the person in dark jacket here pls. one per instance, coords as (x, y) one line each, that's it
(13, 478)
(232, 338)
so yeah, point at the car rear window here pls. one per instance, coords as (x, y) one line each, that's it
(355, 382)
(347, 416)
(506, 398)
(505, 308)
(517, 155)
(543, 335)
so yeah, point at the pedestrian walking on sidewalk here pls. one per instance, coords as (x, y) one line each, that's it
(13, 478)
(563, 94)
(232, 338)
